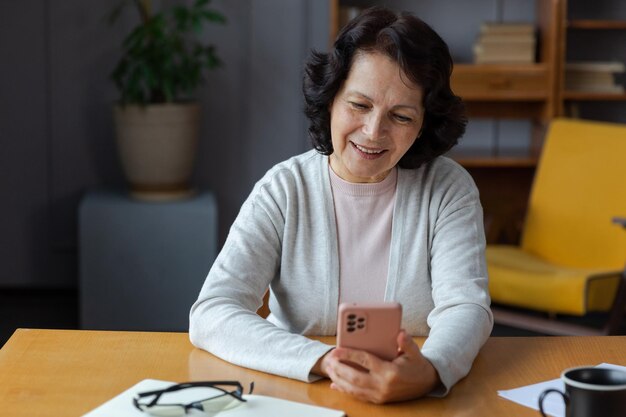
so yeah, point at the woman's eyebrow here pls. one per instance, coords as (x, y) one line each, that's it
(365, 96)
(358, 93)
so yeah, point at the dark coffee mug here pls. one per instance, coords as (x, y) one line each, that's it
(591, 392)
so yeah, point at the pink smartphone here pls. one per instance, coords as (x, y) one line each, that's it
(372, 327)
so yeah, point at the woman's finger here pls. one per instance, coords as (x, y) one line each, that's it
(365, 361)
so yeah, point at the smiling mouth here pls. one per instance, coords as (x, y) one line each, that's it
(368, 152)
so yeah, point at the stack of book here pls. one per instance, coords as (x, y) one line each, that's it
(596, 77)
(501, 43)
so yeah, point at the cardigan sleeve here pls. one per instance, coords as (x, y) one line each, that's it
(223, 320)
(461, 320)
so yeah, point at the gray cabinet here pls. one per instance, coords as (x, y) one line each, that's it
(142, 264)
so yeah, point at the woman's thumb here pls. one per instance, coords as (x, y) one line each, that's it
(407, 345)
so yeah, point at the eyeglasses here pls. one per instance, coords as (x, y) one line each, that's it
(216, 396)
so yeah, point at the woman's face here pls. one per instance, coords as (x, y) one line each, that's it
(375, 117)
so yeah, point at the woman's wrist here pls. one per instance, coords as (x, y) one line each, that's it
(320, 366)
(433, 378)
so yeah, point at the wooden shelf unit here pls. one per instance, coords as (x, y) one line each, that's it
(501, 82)
(480, 160)
(591, 96)
(569, 98)
(596, 24)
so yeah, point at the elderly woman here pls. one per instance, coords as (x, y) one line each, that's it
(374, 213)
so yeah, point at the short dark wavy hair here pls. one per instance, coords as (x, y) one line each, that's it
(422, 55)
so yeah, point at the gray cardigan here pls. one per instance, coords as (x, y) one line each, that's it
(285, 238)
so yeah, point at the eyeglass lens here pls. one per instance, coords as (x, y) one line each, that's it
(208, 399)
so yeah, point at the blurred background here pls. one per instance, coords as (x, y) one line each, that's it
(57, 140)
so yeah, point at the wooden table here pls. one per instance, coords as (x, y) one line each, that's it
(69, 372)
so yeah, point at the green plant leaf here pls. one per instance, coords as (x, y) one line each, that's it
(163, 57)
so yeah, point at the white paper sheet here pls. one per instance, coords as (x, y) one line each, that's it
(553, 404)
(257, 405)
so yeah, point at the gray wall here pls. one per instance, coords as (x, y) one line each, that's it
(56, 136)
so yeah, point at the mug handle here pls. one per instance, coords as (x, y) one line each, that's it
(545, 394)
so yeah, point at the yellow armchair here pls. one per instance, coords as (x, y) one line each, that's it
(571, 257)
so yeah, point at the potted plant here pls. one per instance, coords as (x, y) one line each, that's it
(163, 62)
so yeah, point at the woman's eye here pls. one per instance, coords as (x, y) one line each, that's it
(402, 119)
(359, 106)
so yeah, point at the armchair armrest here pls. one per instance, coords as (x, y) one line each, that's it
(620, 220)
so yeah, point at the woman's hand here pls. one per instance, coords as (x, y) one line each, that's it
(408, 376)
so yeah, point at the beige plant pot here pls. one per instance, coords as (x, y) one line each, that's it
(157, 147)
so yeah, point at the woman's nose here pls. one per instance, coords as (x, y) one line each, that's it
(374, 125)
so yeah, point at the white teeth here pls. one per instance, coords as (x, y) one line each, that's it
(362, 149)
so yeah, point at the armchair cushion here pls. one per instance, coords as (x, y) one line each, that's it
(521, 279)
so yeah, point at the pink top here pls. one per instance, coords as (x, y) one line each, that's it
(363, 213)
